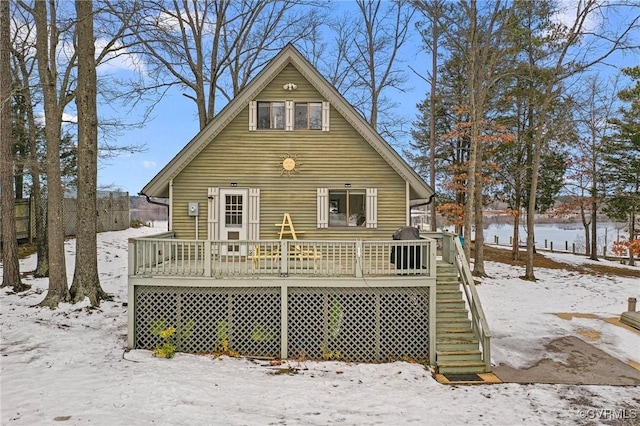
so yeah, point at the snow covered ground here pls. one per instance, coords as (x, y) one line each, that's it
(69, 366)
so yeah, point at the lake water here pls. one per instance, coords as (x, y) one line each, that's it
(562, 235)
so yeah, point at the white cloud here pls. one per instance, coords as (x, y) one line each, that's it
(69, 118)
(66, 118)
(119, 58)
(149, 164)
(568, 14)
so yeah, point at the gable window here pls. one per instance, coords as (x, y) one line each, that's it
(308, 115)
(347, 208)
(270, 115)
(289, 115)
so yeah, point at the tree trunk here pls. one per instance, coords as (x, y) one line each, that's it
(478, 264)
(42, 229)
(46, 55)
(11, 264)
(40, 208)
(594, 218)
(585, 226)
(632, 229)
(515, 248)
(473, 137)
(435, 33)
(86, 282)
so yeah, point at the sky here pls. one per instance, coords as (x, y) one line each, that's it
(173, 122)
(69, 366)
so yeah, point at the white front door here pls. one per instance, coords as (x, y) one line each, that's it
(233, 220)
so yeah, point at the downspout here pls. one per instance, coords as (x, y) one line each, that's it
(157, 203)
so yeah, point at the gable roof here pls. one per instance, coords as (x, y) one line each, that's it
(159, 185)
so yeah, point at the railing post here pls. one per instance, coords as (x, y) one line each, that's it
(207, 258)
(358, 258)
(284, 257)
(132, 254)
(452, 248)
(486, 353)
(433, 247)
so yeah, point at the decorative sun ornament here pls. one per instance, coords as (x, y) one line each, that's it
(289, 164)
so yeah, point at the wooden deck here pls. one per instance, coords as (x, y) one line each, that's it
(223, 259)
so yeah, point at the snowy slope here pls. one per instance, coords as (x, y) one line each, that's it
(68, 366)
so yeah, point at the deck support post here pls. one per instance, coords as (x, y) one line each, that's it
(283, 321)
(131, 317)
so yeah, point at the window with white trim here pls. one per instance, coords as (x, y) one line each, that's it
(271, 115)
(347, 208)
(289, 115)
(308, 115)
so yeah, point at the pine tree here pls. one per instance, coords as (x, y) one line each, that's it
(623, 159)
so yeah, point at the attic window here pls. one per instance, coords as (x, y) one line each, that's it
(271, 115)
(308, 115)
(288, 115)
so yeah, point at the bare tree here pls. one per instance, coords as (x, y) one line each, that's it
(566, 61)
(86, 282)
(595, 107)
(57, 61)
(478, 35)
(25, 76)
(432, 10)
(55, 99)
(11, 266)
(370, 44)
(212, 48)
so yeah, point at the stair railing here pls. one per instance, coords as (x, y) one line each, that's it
(456, 255)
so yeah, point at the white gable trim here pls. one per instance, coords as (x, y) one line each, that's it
(158, 186)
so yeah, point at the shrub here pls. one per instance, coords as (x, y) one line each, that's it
(135, 223)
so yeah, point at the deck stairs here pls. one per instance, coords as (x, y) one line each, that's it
(457, 346)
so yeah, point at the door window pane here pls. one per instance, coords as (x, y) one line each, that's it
(233, 210)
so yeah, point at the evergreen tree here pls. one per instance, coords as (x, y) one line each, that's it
(623, 159)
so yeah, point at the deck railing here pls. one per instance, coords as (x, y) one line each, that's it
(167, 256)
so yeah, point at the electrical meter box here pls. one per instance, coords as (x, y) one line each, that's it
(193, 209)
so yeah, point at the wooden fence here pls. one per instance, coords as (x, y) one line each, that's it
(112, 215)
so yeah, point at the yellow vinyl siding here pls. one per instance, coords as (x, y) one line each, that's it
(324, 160)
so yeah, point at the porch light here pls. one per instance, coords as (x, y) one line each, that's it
(290, 86)
(233, 184)
(347, 185)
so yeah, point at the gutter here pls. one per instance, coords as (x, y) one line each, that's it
(429, 201)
